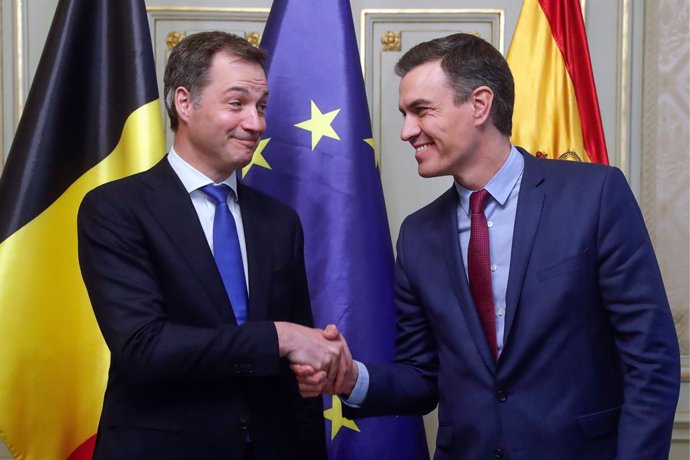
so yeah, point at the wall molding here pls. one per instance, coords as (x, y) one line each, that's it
(2, 88)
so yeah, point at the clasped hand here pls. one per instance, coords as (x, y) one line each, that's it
(320, 359)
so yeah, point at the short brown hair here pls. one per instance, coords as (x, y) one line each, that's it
(190, 61)
(469, 62)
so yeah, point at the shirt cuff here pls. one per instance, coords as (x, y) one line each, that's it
(359, 391)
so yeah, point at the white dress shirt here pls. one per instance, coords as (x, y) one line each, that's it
(193, 180)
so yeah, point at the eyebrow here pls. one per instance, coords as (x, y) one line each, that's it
(414, 104)
(244, 90)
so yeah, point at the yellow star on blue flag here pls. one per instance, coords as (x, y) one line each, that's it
(258, 158)
(319, 124)
(377, 158)
(335, 415)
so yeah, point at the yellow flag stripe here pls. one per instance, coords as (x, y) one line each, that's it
(546, 116)
(54, 360)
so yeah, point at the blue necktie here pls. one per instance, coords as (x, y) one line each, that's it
(226, 250)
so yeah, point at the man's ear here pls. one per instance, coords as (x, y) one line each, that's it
(183, 103)
(482, 99)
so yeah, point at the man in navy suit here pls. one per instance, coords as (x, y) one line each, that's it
(579, 359)
(191, 375)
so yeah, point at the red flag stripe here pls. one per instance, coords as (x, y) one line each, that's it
(85, 450)
(568, 30)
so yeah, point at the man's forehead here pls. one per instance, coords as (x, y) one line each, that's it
(412, 89)
(224, 58)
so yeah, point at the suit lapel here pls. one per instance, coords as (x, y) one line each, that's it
(170, 204)
(450, 246)
(258, 244)
(529, 208)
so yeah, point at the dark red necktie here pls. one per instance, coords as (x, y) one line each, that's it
(479, 268)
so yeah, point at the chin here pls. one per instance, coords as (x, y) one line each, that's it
(242, 163)
(429, 172)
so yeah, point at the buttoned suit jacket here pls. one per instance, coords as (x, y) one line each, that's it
(590, 363)
(185, 382)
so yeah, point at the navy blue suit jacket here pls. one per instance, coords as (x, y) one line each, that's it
(185, 381)
(590, 362)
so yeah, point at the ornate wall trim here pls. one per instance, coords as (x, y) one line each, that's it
(624, 147)
(369, 16)
(2, 90)
(649, 113)
(19, 57)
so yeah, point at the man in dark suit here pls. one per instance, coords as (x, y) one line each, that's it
(199, 363)
(554, 342)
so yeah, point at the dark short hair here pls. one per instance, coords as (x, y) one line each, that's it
(469, 62)
(189, 63)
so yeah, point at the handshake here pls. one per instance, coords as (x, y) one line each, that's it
(320, 359)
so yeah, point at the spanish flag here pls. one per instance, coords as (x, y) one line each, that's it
(92, 115)
(556, 111)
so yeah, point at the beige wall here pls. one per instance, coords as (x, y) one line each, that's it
(666, 159)
(664, 191)
(666, 170)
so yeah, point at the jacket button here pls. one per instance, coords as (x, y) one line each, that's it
(499, 454)
(501, 395)
(244, 424)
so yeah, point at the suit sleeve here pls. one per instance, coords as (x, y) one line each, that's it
(408, 385)
(308, 429)
(634, 296)
(124, 285)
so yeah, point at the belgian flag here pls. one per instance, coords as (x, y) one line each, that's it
(556, 108)
(92, 116)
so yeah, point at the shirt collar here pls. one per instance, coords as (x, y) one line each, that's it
(192, 178)
(499, 186)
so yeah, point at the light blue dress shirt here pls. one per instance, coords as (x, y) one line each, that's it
(500, 209)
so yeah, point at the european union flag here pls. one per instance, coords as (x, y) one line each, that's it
(318, 156)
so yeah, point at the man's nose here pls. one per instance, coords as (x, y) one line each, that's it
(254, 121)
(410, 128)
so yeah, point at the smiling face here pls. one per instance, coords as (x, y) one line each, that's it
(221, 125)
(442, 132)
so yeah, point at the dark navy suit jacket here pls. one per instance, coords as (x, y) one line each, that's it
(185, 381)
(590, 362)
